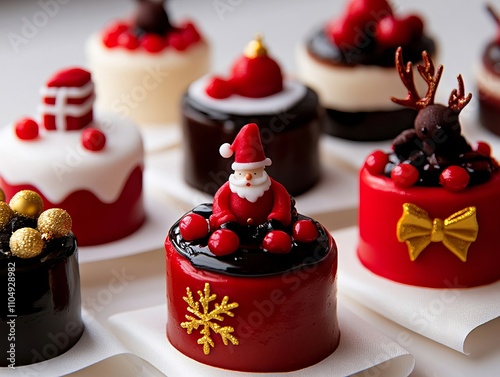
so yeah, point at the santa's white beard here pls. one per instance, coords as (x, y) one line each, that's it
(251, 193)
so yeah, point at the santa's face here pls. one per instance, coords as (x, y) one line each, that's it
(249, 184)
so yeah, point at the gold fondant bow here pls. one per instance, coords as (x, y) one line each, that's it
(456, 232)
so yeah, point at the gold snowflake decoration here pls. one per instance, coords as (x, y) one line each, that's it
(205, 319)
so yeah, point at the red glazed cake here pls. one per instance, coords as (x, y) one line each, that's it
(41, 316)
(214, 110)
(350, 63)
(427, 209)
(143, 65)
(251, 284)
(91, 167)
(488, 82)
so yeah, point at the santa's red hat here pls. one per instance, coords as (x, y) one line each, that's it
(247, 148)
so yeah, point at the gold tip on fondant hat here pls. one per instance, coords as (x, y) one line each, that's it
(255, 47)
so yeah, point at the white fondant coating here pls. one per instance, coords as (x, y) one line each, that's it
(60, 109)
(143, 86)
(57, 164)
(353, 89)
(293, 91)
(487, 82)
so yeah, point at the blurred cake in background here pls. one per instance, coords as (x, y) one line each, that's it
(488, 81)
(92, 167)
(142, 65)
(350, 63)
(214, 110)
(428, 209)
(41, 317)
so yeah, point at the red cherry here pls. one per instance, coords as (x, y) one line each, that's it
(219, 88)
(483, 148)
(153, 43)
(393, 32)
(277, 242)
(111, 34)
(26, 129)
(190, 34)
(223, 242)
(369, 9)
(193, 227)
(416, 25)
(176, 41)
(404, 175)
(344, 32)
(305, 231)
(454, 178)
(376, 162)
(128, 40)
(93, 139)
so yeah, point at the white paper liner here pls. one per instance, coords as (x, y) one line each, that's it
(448, 316)
(95, 345)
(361, 349)
(337, 189)
(150, 236)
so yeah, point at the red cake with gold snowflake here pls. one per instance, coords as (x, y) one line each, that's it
(427, 209)
(251, 284)
(90, 166)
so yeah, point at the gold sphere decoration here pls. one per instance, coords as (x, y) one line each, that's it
(54, 223)
(2, 195)
(5, 214)
(26, 243)
(255, 48)
(27, 203)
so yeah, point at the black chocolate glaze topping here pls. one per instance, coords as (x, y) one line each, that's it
(250, 260)
(321, 47)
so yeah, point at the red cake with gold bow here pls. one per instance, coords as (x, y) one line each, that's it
(251, 284)
(427, 209)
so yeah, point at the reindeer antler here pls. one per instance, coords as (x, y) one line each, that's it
(457, 100)
(493, 14)
(413, 100)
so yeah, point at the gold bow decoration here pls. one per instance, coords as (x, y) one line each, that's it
(418, 230)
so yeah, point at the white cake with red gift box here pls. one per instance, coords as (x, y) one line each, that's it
(142, 66)
(91, 167)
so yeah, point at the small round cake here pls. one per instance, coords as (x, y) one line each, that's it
(91, 167)
(143, 66)
(251, 284)
(41, 316)
(214, 110)
(427, 210)
(488, 82)
(350, 63)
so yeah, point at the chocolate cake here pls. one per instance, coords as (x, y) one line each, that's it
(41, 318)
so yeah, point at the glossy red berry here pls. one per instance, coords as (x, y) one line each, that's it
(190, 34)
(454, 178)
(344, 32)
(176, 41)
(404, 175)
(305, 231)
(128, 41)
(483, 148)
(393, 32)
(368, 9)
(111, 34)
(193, 227)
(277, 242)
(375, 163)
(26, 129)
(219, 88)
(416, 25)
(153, 43)
(223, 242)
(93, 139)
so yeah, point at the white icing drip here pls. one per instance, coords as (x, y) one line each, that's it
(487, 82)
(293, 92)
(353, 89)
(57, 164)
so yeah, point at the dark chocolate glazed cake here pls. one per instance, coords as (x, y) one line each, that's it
(41, 318)
(288, 114)
(350, 63)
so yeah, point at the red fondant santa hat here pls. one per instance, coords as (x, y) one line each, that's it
(247, 148)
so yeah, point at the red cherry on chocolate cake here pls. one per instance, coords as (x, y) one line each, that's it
(305, 231)
(454, 178)
(277, 242)
(393, 32)
(223, 242)
(376, 162)
(193, 227)
(93, 139)
(404, 175)
(219, 88)
(368, 9)
(26, 129)
(483, 148)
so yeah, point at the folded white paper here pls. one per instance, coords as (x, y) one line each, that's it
(449, 316)
(361, 349)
